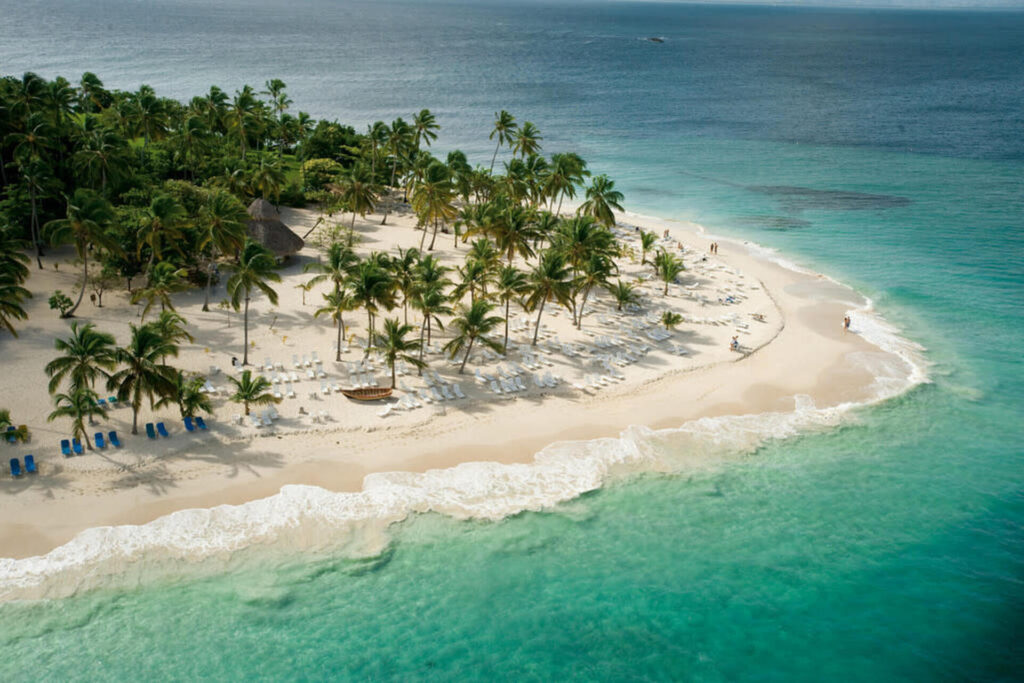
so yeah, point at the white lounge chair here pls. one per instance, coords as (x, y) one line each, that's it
(458, 391)
(295, 360)
(446, 390)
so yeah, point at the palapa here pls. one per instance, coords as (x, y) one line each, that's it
(267, 229)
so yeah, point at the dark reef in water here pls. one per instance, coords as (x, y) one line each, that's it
(798, 199)
(775, 222)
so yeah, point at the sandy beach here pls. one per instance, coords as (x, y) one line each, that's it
(615, 372)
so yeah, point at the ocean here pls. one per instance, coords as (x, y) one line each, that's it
(882, 148)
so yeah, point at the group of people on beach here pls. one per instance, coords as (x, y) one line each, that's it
(714, 248)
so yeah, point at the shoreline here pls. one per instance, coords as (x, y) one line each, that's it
(807, 356)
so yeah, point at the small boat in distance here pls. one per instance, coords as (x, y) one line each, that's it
(367, 394)
(655, 39)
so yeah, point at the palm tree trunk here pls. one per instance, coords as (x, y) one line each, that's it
(369, 332)
(504, 350)
(423, 237)
(209, 284)
(423, 329)
(245, 333)
(337, 356)
(536, 328)
(465, 358)
(34, 225)
(392, 364)
(432, 239)
(579, 321)
(85, 281)
(495, 155)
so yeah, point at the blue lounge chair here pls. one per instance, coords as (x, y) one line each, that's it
(15, 467)
(114, 440)
(65, 447)
(101, 402)
(112, 401)
(76, 446)
(98, 438)
(162, 429)
(10, 434)
(150, 432)
(200, 422)
(189, 427)
(30, 464)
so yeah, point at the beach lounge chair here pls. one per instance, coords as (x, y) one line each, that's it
(189, 427)
(30, 464)
(436, 394)
(15, 467)
(277, 393)
(268, 365)
(101, 402)
(256, 422)
(200, 422)
(316, 358)
(289, 390)
(387, 411)
(267, 422)
(112, 401)
(114, 440)
(295, 360)
(65, 447)
(162, 429)
(446, 390)
(99, 440)
(76, 446)
(458, 391)
(305, 360)
(10, 434)
(150, 432)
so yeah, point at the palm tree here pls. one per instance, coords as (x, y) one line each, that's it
(623, 293)
(510, 284)
(667, 266)
(267, 181)
(341, 261)
(371, 288)
(399, 135)
(80, 405)
(164, 279)
(647, 242)
(223, 220)
(425, 126)
(87, 355)
(251, 390)
(395, 346)
(433, 200)
(338, 303)
(162, 224)
(19, 433)
(12, 296)
(239, 115)
(188, 395)
(148, 114)
(359, 192)
(475, 276)
(602, 197)
(144, 372)
(171, 327)
(567, 171)
(595, 273)
(505, 129)
(432, 303)
(473, 323)
(514, 230)
(404, 272)
(38, 177)
(484, 252)
(254, 270)
(280, 102)
(549, 280)
(102, 156)
(527, 140)
(88, 216)
(670, 319)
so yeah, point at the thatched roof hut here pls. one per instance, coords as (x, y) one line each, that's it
(267, 229)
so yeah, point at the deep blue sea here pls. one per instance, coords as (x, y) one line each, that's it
(884, 148)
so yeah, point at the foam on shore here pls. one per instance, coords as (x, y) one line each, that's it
(313, 520)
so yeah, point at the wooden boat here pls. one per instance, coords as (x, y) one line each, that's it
(367, 394)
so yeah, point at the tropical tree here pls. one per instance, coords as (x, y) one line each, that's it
(594, 273)
(567, 171)
(647, 242)
(164, 280)
(670, 319)
(19, 433)
(12, 297)
(341, 261)
(475, 276)
(432, 303)
(88, 216)
(188, 395)
(255, 269)
(511, 284)
(171, 327)
(404, 276)
(527, 141)
(371, 288)
(602, 197)
(80, 405)
(161, 227)
(222, 221)
(623, 293)
(433, 200)
(252, 391)
(359, 192)
(425, 128)
(87, 355)
(280, 102)
(337, 304)
(471, 324)
(549, 280)
(143, 372)
(667, 266)
(505, 130)
(515, 231)
(393, 344)
(101, 157)
(399, 135)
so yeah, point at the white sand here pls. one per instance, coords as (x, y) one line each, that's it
(800, 348)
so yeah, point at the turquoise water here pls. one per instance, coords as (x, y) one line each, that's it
(880, 148)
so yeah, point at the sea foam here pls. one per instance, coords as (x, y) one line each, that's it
(313, 520)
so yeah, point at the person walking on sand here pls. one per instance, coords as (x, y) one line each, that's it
(846, 323)
(734, 345)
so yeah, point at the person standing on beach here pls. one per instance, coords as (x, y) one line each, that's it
(846, 323)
